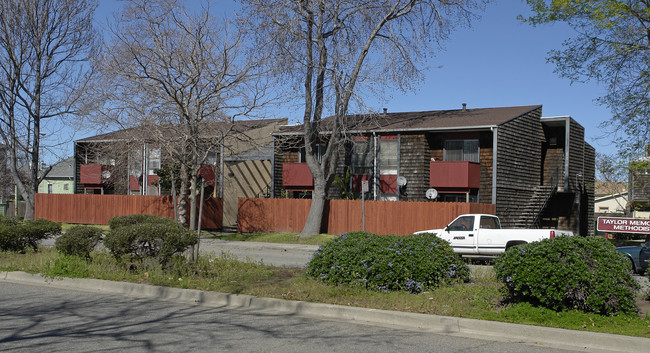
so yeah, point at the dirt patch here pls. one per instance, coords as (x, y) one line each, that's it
(644, 306)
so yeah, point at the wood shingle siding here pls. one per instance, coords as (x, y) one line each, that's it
(487, 166)
(334, 191)
(518, 164)
(519, 152)
(414, 166)
(576, 156)
(590, 186)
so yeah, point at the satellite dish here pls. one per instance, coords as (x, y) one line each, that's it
(401, 181)
(432, 194)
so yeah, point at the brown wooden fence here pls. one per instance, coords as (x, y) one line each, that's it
(98, 209)
(382, 217)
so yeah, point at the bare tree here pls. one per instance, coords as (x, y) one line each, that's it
(43, 44)
(172, 72)
(339, 49)
(612, 176)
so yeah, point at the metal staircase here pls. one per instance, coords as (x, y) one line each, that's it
(531, 214)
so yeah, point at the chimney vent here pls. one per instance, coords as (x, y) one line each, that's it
(385, 110)
(464, 107)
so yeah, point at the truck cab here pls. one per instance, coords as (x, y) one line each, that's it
(462, 233)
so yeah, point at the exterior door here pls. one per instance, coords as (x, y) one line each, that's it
(461, 234)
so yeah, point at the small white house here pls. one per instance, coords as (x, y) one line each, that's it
(60, 179)
(614, 203)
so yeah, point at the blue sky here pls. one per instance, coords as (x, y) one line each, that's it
(499, 61)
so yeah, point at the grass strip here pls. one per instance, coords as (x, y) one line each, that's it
(482, 298)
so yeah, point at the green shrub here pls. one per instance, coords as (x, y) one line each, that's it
(9, 237)
(150, 240)
(37, 230)
(9, 220)
(79, 241)
(18, 235)
(121, 221)
(583, 273)
(412, 263)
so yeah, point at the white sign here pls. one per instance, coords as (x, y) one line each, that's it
(364, 186)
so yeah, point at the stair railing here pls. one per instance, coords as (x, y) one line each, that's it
(541, 209)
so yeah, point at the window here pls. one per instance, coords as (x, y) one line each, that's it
(603, 209)
(319, 149)
(66, 186)
(212, 158)
(465, 223)
(154, 159)
(361, 158)
(50, 188)
(104, 158)
(461, 150)
(490, 223)
(135, 162)
(457, 197)
(388, 157)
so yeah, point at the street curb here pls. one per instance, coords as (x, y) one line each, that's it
(471, 328)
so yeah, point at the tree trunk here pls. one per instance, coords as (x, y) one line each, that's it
(193, 187)
(182, 197)
(29, 205)
(315, 216)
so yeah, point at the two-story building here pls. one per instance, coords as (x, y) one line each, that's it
(123, 162)
(538, 171)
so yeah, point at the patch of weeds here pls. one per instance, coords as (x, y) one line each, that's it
(68, 266)
(31, 261)
(526, 313)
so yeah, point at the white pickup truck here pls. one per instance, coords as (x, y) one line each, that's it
(481, 234)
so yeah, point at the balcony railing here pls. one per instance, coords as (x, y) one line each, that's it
(460, 175)
(297, 175)
(135, 182)
(95, 174)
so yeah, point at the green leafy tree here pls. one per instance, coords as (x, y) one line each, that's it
(611, 47)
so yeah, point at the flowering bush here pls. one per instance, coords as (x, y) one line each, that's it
(584, 273)
(412, 263)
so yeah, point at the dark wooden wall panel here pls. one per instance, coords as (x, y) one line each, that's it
(518, 164)
(414, 166)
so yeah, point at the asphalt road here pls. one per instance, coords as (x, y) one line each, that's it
(46, 319)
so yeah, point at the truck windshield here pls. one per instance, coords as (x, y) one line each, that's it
(490, 223)
(465, 223)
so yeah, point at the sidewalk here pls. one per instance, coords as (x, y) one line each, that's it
(489, 330)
